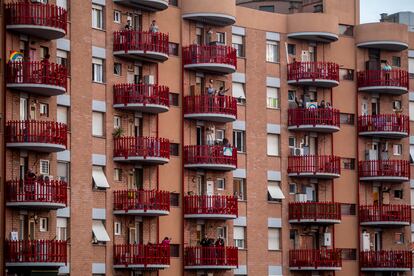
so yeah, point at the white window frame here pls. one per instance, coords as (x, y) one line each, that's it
(239, 241)
(97, 17)
(67, 171)
(61, 229)
(242, 188)
(239, 92)
(271, 240)
(62, 114)
(272, 51)
(44, 109)
(117, 228)
(117, 122)
(242, 134)
(273, 150)
(238, 40)
(221, 183)
(397, 149)
(272, 94)
(117, 16)
(97, 70)
(43, 224)
(98, 119)
(62, 55)
(44, 167)
(117, 174)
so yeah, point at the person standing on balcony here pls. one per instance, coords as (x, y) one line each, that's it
(45, 68)
(209, 39)
(387, 70)
(221, 93)
(154, 35)
(211, 92)
(219, 250)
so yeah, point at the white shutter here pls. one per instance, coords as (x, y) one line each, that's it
(62, 114)
(272, 145)
(61, 54)
(411, 109)
(97, 124)
(99, 231)
(273, 241)
(411, 65)
(274, 190)
(61, 222)
(237, 39)
(62, 170)
(238, 233)
(238, 90)
(99, 177)
(412, 197)
(62, 3)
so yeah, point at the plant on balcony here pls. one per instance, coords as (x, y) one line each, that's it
(118, 132)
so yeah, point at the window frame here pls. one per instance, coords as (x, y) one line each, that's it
(98, 17)
(242, 134)
(272, 51)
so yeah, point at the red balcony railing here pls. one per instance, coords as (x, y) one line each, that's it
(153, 200)
(36, 132)
(36, 72)
(41, 191)
(44, 15)
(211, 256)
(398, 259)
(225, 105)
(145, 147)
(199, 54)
(210, 205)
(141, 94)
(314, 211)
(384, 168)
(36, 251)
(314, 70)
(393, 78)
(385, 213)
(135, 40)
(317, 258)
(142, 254)
(209, 155)
(313, 116)
(315, 164)
(384, 123)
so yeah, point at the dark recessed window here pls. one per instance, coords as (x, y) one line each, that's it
(174, 250)
(292, 49)
(173, 2)
(175, 199)
(346, 74)
(398, 194)
(396, 61)
(346, 30)
(349, 254)
(347, 118)
(173, 48)
(174, 149)
(348, 209)
(117, 69)
(174, 99)
(267, 8)
(348, 163)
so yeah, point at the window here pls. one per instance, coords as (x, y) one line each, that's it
(291, 95)
(174, 149)
(412, 198)
(292, 142)
(396, 61)
(411, 154)
(396, 105)
(44, 51)
(411, 67)
(239, 188)
(117, 122)
(267, 8)
(62, 58)
(272, 97)
(239, 140)
(117, 16)
(99, 232)
(347, 118)
(44, 167)
(62, 114)
(220, 135)
(43, 222)
(272, 144)
(346, 74)
(272, 51)
(61, 229)
(346, 30)
(97, 70)
(274, 193)
(44, 109)
(221, 184)
(349, 254)
(399, 238)
(97, 124)
(273, 238)
(175, 199)
(61, 3)
(293, 189)
(174, 99)
(239, 94)
(117, 69)
(348, 209)
(99, 178)
(411, 111)
(173, 49)
(175, 250)
(63, 171)
(221, 38)
(118, 174)
(398, 194)
(117, 228)
(97, 17)
(173, 2)
(397, 149)
(348, 163)
(239, 237)
(292, 49)
(238, 44)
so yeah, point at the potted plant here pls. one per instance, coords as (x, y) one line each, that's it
(118, 132)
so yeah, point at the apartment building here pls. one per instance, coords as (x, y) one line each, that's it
(195, 137)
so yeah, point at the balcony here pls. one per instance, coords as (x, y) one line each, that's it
(146, 5)
(221, 109)
(385, 215)
(139, 45)
(325, 120)
(42, 136)
(384, 36)
(35, 253)
(385, 260)
(315, 212)
(37, 194)
(210, 158)
(210, 207)
(314, 166)
(147, 150)
(45, 21)
(45, 79)
(318, 27)
(219, 59)
(391, 126)
(142, 203)
(213, 12)
(315, 259)
(212, 257)
(395, 82)
(314, 73)
(147, 98)
(141, 256)
(384, 170)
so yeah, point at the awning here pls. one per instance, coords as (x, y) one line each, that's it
(238, 91)
(99, 231)
(275, 191)
(99, 177)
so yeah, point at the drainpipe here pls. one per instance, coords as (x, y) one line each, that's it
(3, 214)
(182, 158)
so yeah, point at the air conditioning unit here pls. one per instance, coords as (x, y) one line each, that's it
(298, 151)
(149, 79)
(301, 198)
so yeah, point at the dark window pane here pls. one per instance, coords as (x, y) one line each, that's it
(174, 149)
(175, 250)
(175, 199)
(348, 209)
(174, 99)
